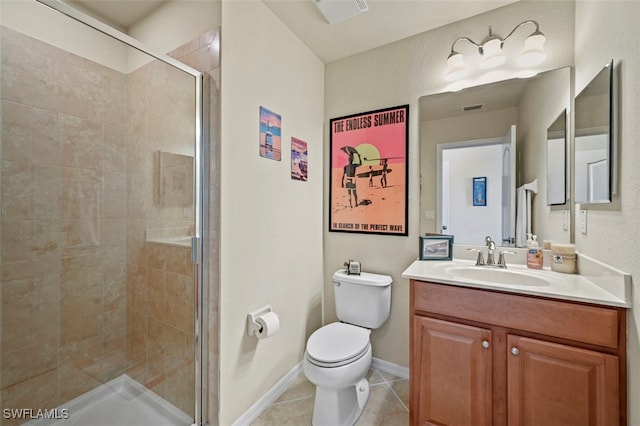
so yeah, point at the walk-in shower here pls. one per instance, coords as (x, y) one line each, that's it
(103, 161)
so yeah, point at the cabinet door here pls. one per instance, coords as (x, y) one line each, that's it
(451, 374)
(553, 384)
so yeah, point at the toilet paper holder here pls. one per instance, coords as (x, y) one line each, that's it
(252, 324)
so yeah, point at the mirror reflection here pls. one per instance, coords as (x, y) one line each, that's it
(593, 140)
(556, 161)
(496, 131)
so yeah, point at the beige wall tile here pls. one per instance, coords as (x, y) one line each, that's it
(28, 269)
(30, 134)
(115, 289)
(29, 306)
(81, 306)
(136, 335)
(157, 294)
(82, 91)
(114, 331)
(115, 147)
(178, 260)
(38, 356)
(114, 195)
(178, 306)
(136, 244)
(81, 142)
(40, 391)
(137, 295)
(74, 381)
(18, 184)
(29, 77)
(47, 192)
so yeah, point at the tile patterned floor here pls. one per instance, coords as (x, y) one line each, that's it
(388, 403)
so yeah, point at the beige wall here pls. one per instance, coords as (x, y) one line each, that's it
(271, 229)
(397, 74)
(613, 231)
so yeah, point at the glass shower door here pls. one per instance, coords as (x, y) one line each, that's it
(99, 160)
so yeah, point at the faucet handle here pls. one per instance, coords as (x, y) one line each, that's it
(480, 258)
(501, 262)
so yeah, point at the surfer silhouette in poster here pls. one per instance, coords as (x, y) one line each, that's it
(349, 174)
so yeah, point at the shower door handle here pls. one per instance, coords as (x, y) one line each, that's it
(195, 250)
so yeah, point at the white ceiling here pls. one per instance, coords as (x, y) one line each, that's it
(386, 21)
(121, 14)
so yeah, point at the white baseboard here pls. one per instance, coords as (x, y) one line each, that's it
(268, 398)
(391, 368)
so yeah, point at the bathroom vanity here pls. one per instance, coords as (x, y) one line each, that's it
(498, 354)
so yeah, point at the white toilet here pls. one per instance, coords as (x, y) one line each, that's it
(338, 355)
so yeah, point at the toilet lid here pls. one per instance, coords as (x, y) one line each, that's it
(337, 342)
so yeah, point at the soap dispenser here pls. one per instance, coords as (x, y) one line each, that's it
(534, 253)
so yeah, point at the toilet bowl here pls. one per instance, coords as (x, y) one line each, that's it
(338, 355)
(337, 359)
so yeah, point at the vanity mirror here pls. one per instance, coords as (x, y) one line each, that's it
(593, 160)
(557, 161)
(497, 131)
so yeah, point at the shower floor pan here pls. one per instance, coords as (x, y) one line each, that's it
(121, 401)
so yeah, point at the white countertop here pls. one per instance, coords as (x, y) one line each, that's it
(608, 287)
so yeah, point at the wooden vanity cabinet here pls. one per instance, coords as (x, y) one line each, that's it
(481, 357)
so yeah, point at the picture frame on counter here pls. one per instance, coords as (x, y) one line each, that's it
(436, 247)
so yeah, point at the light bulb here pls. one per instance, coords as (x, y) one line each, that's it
(533, 52)
(492, 55)
(455, 66)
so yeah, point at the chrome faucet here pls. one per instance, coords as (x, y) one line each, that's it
(491, 248)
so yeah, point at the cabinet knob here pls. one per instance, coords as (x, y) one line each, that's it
(485, 344)
(515, 351)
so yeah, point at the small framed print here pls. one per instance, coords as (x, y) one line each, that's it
(436, 247)
(270, 134)
(480, 191)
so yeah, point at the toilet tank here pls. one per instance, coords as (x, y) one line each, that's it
(363, 300)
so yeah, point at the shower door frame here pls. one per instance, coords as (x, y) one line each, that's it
(197, 242)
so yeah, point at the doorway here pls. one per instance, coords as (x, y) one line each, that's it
(466, 167)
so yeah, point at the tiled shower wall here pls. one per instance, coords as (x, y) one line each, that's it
(63, 223)
(84, 297)
(203, 54)
(160, 286)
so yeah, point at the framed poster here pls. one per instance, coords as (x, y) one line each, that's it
(270, 141)
(479, 191)
(368, 179)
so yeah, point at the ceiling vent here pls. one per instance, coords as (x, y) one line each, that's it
(336, 11)
(472, 107)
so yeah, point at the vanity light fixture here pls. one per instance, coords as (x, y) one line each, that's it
(490, 48)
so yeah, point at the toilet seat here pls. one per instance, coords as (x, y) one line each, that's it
(337, 344)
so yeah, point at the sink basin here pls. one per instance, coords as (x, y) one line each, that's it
(499, 276)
